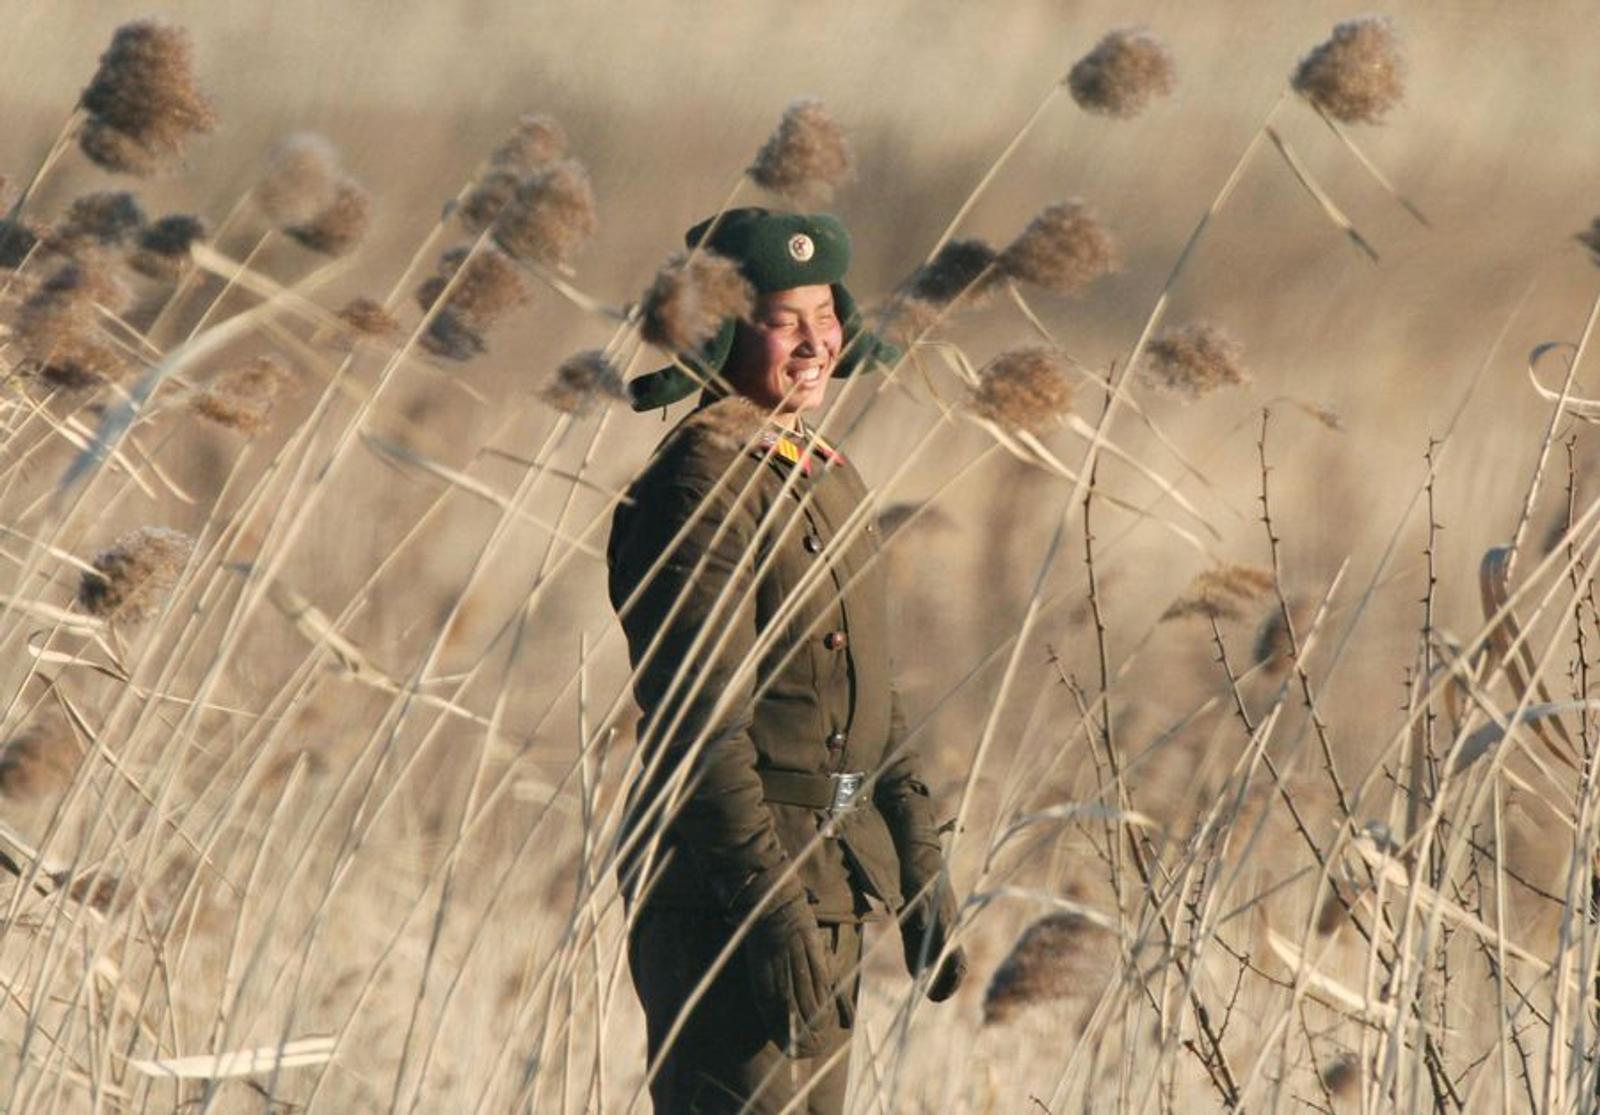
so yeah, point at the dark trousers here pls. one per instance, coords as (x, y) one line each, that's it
(721, 1062)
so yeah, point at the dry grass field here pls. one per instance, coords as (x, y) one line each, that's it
(1263, 706)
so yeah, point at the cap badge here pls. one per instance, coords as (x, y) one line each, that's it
(801, 247)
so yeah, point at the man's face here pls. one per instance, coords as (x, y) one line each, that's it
(783, 356)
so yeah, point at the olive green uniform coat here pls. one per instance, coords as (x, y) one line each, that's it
(772, 601)
(751, 590)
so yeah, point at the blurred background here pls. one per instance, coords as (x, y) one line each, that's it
(1496, 143)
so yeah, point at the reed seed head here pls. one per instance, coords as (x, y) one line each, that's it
(1222, 593)
(106, 219)
(1590, 238)
(536, 142)
(490, 285)
(134, 575)
(1055, 959)
(1273, 649)
(806, 158)
(1024, 389)
(58, 326)
(1063, 249)
(368, 317)
(242, 398)
(582, 380)
(1357, 75)
(487, 199)
(960, 269)
(116, 151)
(1194, 360)
(1341, 1076)
(551, 217)
(690, 297)
(143, 102)
(38, 762)
(731, 424)
(17, 240)
(907, 320)
(1121, 75)
(339, 227)
(164, 246)
(301, 180)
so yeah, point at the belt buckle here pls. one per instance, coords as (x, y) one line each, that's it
(846, 788)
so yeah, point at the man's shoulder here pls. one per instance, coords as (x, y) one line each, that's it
(706, 447)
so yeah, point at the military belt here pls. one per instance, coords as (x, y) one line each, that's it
(837, 793)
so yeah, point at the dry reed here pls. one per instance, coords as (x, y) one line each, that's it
(689, 299)
(242, 398)
(551, 216)
(581, 381)
(1193, 361)
(1357, 75)
(1026, 389)
(143, 102)
(1122, 74)
(1063, 249)
(134, 574)
(806, 158)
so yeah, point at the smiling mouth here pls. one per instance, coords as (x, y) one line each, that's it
(807, 375)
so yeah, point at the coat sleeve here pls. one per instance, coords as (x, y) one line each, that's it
(694, 686)
(902, 796)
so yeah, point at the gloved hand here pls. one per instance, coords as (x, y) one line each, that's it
(924, 928)
(791, 979)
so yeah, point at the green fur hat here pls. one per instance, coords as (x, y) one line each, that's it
(775, 251)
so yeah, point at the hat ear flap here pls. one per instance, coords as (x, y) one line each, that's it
(862, 350)
(667, 385)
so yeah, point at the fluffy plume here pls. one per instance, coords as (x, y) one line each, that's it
(551, 216)
(1221, 593)
(960, 268)
(1057, 958)
(106, 219)
(1272, 646)
(489, 287)
(1024, 389)
(301, 180)
(581, 380)
(143, 103)
(535, 143)
(487, 199)
(1063, 249)
(339, 227)
(58, 329)
(164, 246)
(1122, 73)
(368, 317)
(135, 574)
(731, 423)
(1341, 1076)
(37, 762)
(242, 398)
(17, 240)
(690, 297)
(1590, 238)
(806, 158)
(1194, 360)
(907, 320)
(1357, 75)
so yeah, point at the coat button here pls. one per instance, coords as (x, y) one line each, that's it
(835, 640)
(836, 741)
(813, 544)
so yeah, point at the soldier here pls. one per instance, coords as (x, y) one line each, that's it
(778, 806)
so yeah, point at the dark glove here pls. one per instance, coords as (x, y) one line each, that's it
(792, 979)
(924, 929)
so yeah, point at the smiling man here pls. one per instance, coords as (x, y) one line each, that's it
(778, 807)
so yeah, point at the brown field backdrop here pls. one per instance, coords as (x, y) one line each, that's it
(1497, 142)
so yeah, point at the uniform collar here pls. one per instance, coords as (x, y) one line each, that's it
(802, 448)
